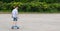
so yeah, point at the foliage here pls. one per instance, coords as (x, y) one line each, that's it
(31, 5)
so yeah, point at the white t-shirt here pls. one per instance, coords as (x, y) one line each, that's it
(14, 12)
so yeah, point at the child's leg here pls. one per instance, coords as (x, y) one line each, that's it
(15, 24)
(14, 21)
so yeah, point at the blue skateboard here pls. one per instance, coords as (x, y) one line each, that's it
(14, 27)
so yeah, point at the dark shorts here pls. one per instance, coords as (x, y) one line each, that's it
(14, 18)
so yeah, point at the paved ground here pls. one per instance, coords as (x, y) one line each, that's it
(31, 22)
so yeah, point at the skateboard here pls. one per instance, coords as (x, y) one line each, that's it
(14, 27)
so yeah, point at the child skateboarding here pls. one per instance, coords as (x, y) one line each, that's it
(15, 17)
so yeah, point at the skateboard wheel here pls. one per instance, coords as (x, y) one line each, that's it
(17, 27)
(12, 27)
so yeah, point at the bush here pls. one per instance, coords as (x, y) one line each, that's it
(31, 6)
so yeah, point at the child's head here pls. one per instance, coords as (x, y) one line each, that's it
(15, 7)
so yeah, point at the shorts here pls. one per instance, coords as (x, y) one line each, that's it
(14, 18)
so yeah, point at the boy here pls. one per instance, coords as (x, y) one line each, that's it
(15, 17)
